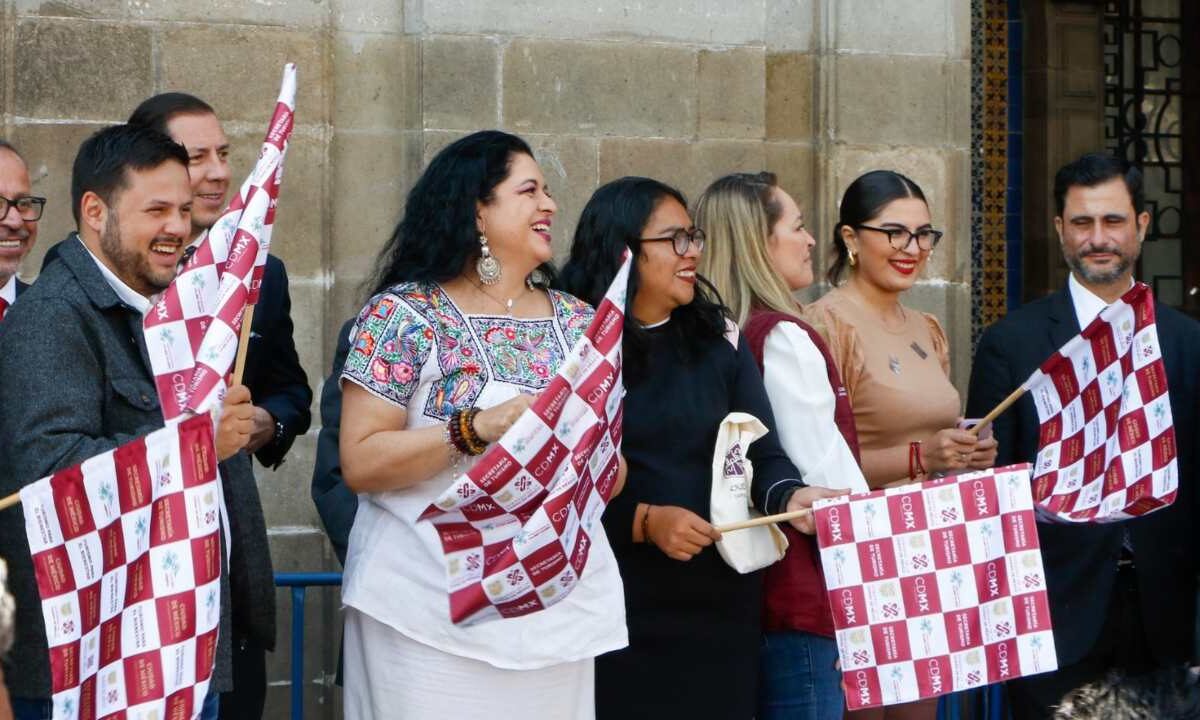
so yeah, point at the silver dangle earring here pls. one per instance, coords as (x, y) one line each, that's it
(487, 266)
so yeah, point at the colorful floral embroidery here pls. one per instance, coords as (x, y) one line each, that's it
(397, 332)
(390, 346)
(521, 352)
(574, 315)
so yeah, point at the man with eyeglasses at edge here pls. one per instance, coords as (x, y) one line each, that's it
(19, 215)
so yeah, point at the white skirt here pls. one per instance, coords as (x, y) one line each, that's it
(388, 675)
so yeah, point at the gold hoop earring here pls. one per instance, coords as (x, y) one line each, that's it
(853, 259)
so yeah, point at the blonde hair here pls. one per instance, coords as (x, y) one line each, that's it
(737, 213)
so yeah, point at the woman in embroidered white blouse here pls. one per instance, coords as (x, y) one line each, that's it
(459, 320)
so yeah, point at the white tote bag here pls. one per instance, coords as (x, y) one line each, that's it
(752, 548)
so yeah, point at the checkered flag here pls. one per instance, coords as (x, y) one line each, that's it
(936, 587)
(192, 331)
(517, 527)
(127, 556)
(1107, 443)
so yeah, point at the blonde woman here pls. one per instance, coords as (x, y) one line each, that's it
(759, 253)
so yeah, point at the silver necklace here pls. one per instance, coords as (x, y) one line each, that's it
(507, 303)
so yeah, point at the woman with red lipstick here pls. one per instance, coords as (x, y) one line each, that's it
(759, 253)
(894, 360)
(694, 622)
(444, 357)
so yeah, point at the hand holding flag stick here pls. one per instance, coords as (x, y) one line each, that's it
(765, 520)
(1005, 404)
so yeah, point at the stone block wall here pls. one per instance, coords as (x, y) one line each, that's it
(816, 90)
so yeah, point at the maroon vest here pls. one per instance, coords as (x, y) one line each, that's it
(795, 597)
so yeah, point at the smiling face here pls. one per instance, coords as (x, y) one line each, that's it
(518, 217)
(142, 235)
(1101, 233)
(17, 236)
(666, 280)
(881, 265)
(790, 245)
(208, 164)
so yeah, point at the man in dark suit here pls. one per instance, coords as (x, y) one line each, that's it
(77, 380)
(1122, 595)
(19, 215)
(336, 504)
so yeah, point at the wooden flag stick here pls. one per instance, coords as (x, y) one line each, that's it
(10, 501)
(1005, 404)
(765, 520)
(239, 365)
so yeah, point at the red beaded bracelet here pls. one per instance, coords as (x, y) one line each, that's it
(916, 468)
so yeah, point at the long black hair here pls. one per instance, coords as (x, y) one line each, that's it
(438, 236)
(866, 197)
(614, 219)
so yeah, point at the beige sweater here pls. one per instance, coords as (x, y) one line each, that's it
(897, 377)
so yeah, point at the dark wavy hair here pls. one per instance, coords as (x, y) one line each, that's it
(437, 236)
(614, 219)
(104, 159)
(1095, 169)
(866, 197)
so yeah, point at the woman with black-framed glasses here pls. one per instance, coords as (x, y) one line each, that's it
(694, 622)
(894, 360)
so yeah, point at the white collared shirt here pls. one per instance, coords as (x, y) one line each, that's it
(128, 295)
(8, 293)
(1087, 303)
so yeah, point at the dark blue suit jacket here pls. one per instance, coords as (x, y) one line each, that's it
(336, 504)
(1081, 560)
(273, 373)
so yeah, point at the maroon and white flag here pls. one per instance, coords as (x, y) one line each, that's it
(1107, 442)
(127, 553)
(517, 527)
(192, 331)
(936, 587)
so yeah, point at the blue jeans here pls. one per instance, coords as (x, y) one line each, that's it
(31, 709)
(798, 680)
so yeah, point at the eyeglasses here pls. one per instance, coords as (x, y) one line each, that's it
(680, 240)
(899, 238)
(29, 208)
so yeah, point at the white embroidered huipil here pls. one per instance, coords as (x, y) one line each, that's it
(414, 348)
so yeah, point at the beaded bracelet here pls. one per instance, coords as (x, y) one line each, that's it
(475, 444)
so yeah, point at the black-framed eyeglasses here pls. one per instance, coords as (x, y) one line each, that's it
(29, 208)
(899, 237)
(680, 240)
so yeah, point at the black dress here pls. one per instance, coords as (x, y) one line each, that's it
(694, 627)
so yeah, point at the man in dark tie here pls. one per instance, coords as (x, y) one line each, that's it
(1122, 595)
(19, 215)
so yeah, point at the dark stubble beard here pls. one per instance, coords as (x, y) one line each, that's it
(130, 266)
(1099, 276)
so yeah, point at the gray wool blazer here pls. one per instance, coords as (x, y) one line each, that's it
(75, 381)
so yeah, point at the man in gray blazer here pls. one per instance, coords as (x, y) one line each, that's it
(75, 379)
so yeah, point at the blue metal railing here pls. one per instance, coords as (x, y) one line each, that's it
(986, 703)
(299, 583)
